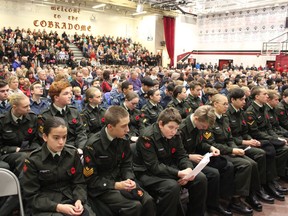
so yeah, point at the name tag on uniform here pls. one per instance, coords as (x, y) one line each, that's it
(161, 149)
(233, 121)
(93, 119)
(189, 139)
(217, 128)
(44, 171)
(259, 117)
(10, 131)
(103, 156)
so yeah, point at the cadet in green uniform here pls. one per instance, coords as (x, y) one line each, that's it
(162, 165)
(60, 93)
(193, 99)
(18, 132)
(219, 172)
(246, 177)
(108, 168)
(53, 181)
(18, 137)
(242, 139)
(282, 110)
(260, 128)
(273, 101)
(93, 113)
(130, 103)
(178, 101)
(151, 110)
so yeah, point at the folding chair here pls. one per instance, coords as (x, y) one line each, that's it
(9, 185)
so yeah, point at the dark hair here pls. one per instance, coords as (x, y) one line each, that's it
(106, 75)
(193, 85)
(3, 83)
(53, 122)
(236, 93)
(170, 87)
(177, 90)
(114, 114)
(125, 85)
(151, 92)
(168, 115)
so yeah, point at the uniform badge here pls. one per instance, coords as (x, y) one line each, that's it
(88, 171)
(147, 145)
(243, 122)
(123, 155)
(144, 120)
(281, 113)
(41, 129)
(228, 129)
(72, 170)
(173, 150)
(87, 159)
(207, 135)
(250, 123)
(25, 168)
(250, 117)
(140, 193)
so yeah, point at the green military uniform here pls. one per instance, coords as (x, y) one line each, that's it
(260, 128)
(274, 121)
(183, 107)
(93, 119)
(219, 172)
(282, 113)
(149, 114)
(107, 162)
(194, 102)
(156, 165)
(76, 131)
(14, 135)
(246, 176)
(239, 130)
(135, 119)
(48, 181)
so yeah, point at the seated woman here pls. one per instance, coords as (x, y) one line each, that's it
(151, 110)
(130, 103)
(178, 101)
(53, 181)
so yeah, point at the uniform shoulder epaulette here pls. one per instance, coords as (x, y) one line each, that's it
(146, 138)
(36, 150)
(71, 147)
(94, 138)
(72, 107)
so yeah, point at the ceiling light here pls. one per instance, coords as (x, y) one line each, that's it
(139, 13)
(139, 8)
(98, 6)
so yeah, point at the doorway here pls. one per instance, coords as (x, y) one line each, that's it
(225, 63)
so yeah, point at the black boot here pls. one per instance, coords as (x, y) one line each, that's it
(236, 205)
(219, 210)
(271, 190)
(279, 188)
(264, 197)
(253, 201)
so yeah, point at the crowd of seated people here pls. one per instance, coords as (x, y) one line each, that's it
(159, 102)
(115, 51)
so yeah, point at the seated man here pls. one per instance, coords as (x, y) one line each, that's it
(163, 167)
(108, 168)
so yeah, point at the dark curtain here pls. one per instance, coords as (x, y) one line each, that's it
(169, 31)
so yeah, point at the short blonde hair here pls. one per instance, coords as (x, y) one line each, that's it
(15, 98)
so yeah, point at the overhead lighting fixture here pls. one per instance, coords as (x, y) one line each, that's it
(139, 8)
(98, 6)
(139, 13)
